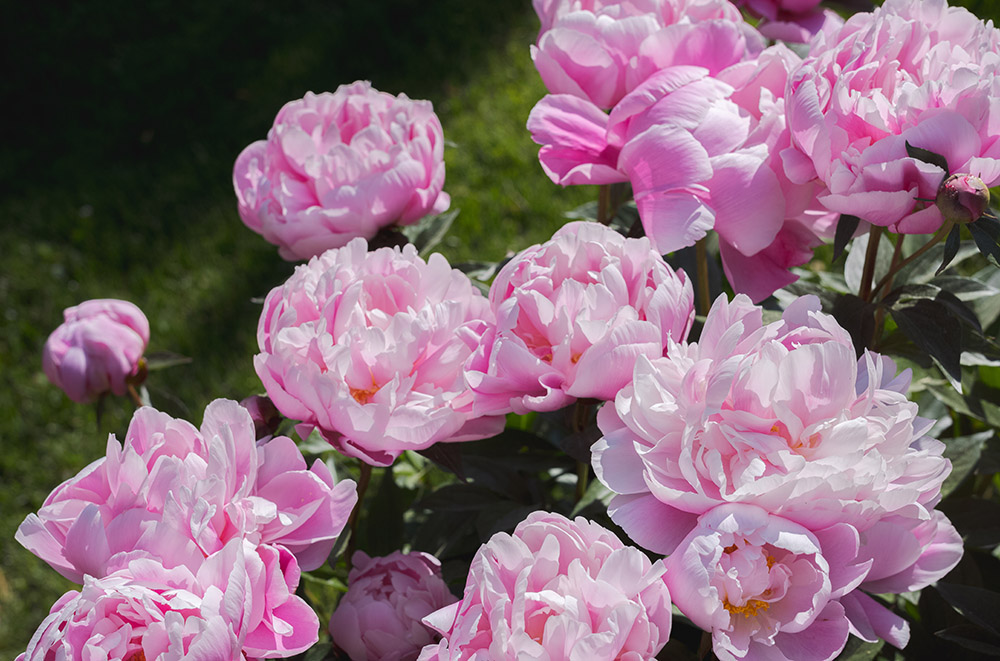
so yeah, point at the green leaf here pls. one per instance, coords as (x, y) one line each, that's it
(986, 233)
(854, 265)
(429, 231)
(857, 317)
(976, 519)
(859, 650)
(979, 606)
(951, 245)
(317, 652)
(847, 225)
(447, 456)
(934, 328)
(964, 453)
(596, 493)
(928, 156)
(972, 638)
(160, 360)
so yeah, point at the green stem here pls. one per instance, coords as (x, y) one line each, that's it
(352, 522)
(604, 204)
(871, 256)
(886, 281)
(581, 415)
(701, 259)
(880, 310)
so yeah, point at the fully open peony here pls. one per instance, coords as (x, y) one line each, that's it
(339, 166)
(573, 314)
(368, 348)
(96, 348)
(556, 590)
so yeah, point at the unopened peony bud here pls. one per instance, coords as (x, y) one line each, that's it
(963, 198)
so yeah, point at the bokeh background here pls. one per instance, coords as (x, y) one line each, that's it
(122, 121)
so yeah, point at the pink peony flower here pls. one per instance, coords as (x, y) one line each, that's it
(917, 72)
(600, 51)
(96, 349)
(780, 416)
(763, 585)
(556, 589)
(181, 494)
(241, 601)
(369, 348)
(339, 166)
(573, 314)
(379, 619)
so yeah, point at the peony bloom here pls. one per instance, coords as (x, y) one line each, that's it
(369, 347)
(781, 416)
(96, 349)
(573, 314)
(556, 590)
(339, 166)
(379, 619)
(180, 494)
(920, 73)
(241, 601)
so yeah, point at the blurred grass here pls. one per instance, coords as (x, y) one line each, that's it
(115, 181)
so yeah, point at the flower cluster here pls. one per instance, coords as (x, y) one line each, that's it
(556, 589)
(725, 450)
(187, 541)
(339, 166)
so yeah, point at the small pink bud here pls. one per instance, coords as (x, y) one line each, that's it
(963, 198)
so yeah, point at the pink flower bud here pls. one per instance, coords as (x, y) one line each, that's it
(96, 349)
(963, 198)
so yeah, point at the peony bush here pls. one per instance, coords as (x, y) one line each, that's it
(603, 462)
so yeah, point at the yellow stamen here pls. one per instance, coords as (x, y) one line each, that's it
(749, 609)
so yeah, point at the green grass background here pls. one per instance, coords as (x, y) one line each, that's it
(122, 123)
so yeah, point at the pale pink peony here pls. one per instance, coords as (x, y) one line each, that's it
(368, 348)
(573, 314)
(379, 619)
(917, 72)
(96, 349)
(181, 494)
(781, 416)
(600, 51)
(339, 166)
(764, 586)
(240, 602)
(556, 590)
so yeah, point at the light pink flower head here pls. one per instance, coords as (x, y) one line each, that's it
(917, 72)
(556, 590)
(96, 349)
(369, 347)
(763, 586)
(379, 619)
(781, 416)
(573, 314)
(180, 494)
(600, 51)
(341, 165)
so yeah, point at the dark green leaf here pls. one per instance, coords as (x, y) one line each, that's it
(976, 519)
(857, 317)
(430, 231)
(317, 652)
(979, 606)
(458, 498)
(859, 650)
(159, 360)
(447, 456)
(964, 453)
(854, 265)
(928, 156)
(934, 329)
(577, 445)
(586, 211)
(847, 225)
(382, 527)
(986, 233)
(972, 638)
(951, 245)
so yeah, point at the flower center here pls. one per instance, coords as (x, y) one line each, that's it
(363, 395)
(749, 609)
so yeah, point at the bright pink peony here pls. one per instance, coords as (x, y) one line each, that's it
(558, 590)
(764, 586)
(240, 602)
(339, 166)
(96, 349)
(369, 348)
(379, 619)
(917, 72)
(781, 416)
(180, 494)
(600, 51)
(573, 314)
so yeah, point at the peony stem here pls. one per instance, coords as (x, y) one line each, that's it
(701, 259)
(582, 476)
(893, 267)
(352, 522)
(134, 395)
(886, 281)
(581, 416)
(871, 256)
(604, 204)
